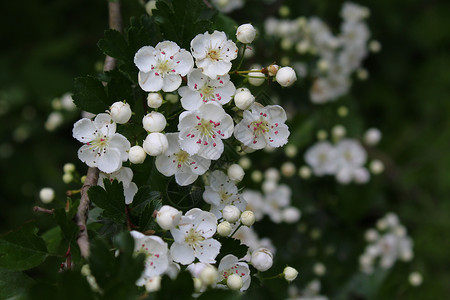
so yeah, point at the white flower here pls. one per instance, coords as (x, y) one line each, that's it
(224, 228)
(104, 148)
(350, 154)
(155, 143)
(154, 100)
(276, 201)
(193, 238)
(202, 89)
(213, 53)
(262, 259)
(243, 98)
(273, 69)
(286, 76)
(231, 213)
(124, 175)
(222, 192)
(231, 265)
(415, 278)
(47, 195)
(136, 155)
(290, 273)
(154, 122)
(156, 252)
(120, 112)
(168, 217)
(246, 33)
(153, 284)
(226, 6)
(291, 214)
(262, 126)
(161, 68)
(175, 161)
(202, 130)
(235, 172)
(255, 203)
(321, 157)
(248, 218)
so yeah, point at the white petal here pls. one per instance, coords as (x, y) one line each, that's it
(171, 82)
(199, 165)
(205, 223)
(196, 79)
(119, 142)
(182, 253)
(226, 126)
(185, 178)
(190, 100)
(278, 136)
(109, 161)
(168, 47)
(211, 196)
(212, 111)
(149, 82)
(104, 122)
(83, 130)
(189, 143)
(144, 59)
(129, 192)
(86, 155)
(199, 45)
(211, 148)
(166, 165)
(223, 94)
(227, 262)
(184, 63)
(276, 113)
(208, 251)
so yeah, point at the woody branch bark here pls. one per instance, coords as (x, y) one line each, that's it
(115, 22)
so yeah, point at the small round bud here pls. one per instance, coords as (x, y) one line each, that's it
(323, 65)
(286, 76)
(234, 282)
(338, 132)
(415, 279)
(67, 178)
(322, 135)
(371, 235)
(208, 275)
(224, 228)
(83, 179)
(288, 169)
(286, 44)
(155, 144)
(150, 6)
(342, 111)
(47, 195)
(302, 47)
(319, 269)
(153, 284)
(273, 69)
(291, 215)
(85, 270)
(231, 213)
(69, 168)
(168, 217)
(256, 176)
(374, 46)
(268, 186)
(362, 74)
(256, 78)
(376, 167)
(372, 136)
(246, 33)
(291, 151)
(248, 218)
(304, 172)
(154, 122)
(120, 112)
(382, 224)
(262, 259)
(245, 162)
(136, 155)
(54, 119)
(243, 98)
(315, 233)
(272, 174)
(198, 285)
(235, 172)
(284, 11)
(172, 98)
(154, 100)
(290, 273)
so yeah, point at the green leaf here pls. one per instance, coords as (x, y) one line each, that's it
(89, 95)
(230, 245)
(145, 202)
(114, 45)
(220, 294)
(22, 249)
(13, 284)
(111, 200)
(181, 21)
(176, 289)
(226, 24)
(68, 227)
(119, 87)
(53, 238)
(363, 285)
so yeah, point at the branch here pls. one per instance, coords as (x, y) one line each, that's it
(43, 210)
(115, 22)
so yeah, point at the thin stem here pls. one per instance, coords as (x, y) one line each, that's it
(240, 225)
(242, 57)
(43, 210)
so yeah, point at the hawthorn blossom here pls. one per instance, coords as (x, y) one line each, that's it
(124, 175)
(262, 126)
(156, 252)
(321, 157)
(222, 192)
(276, 201)
(213, 53)
(202, 89)
(193, 238)
(161, 67)
(231, 265)
(202, 130)
(175, 161)
(104, 148)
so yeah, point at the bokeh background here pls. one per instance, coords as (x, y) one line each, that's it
(46, 44)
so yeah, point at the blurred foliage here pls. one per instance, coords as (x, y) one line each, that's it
(46, 44)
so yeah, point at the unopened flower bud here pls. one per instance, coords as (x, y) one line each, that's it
(154, 100)
(168, 217)
(415, 279)
(245, 162)
(154, 122)
(290, 273)
(208, 275)
(288, 169)
(286, 76)
(272, 174)
(231, 213)
(83, 178)
(136, 155)
(273, 69)
(243, 98)
(256, 176)
(67, 178)
(234, 282)
(376, 167)
(248, 218)
(304, 172)
(321, 134)
(262, 259)
(224, 228)
(235, 172)
(246, 33)
(372, 136)
(256, 78)
(155, 143)
(69, 168)
(342, 111)
(371, 235)
(291, 215)
(338, 132)
(268, 186)
(153, 284)
(120, 112)
(291, 150)
(47, 195)
(374, 46)
(150, 6)
(319, 269)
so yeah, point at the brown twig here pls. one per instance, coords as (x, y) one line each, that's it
(115, 22)
(43, 210)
